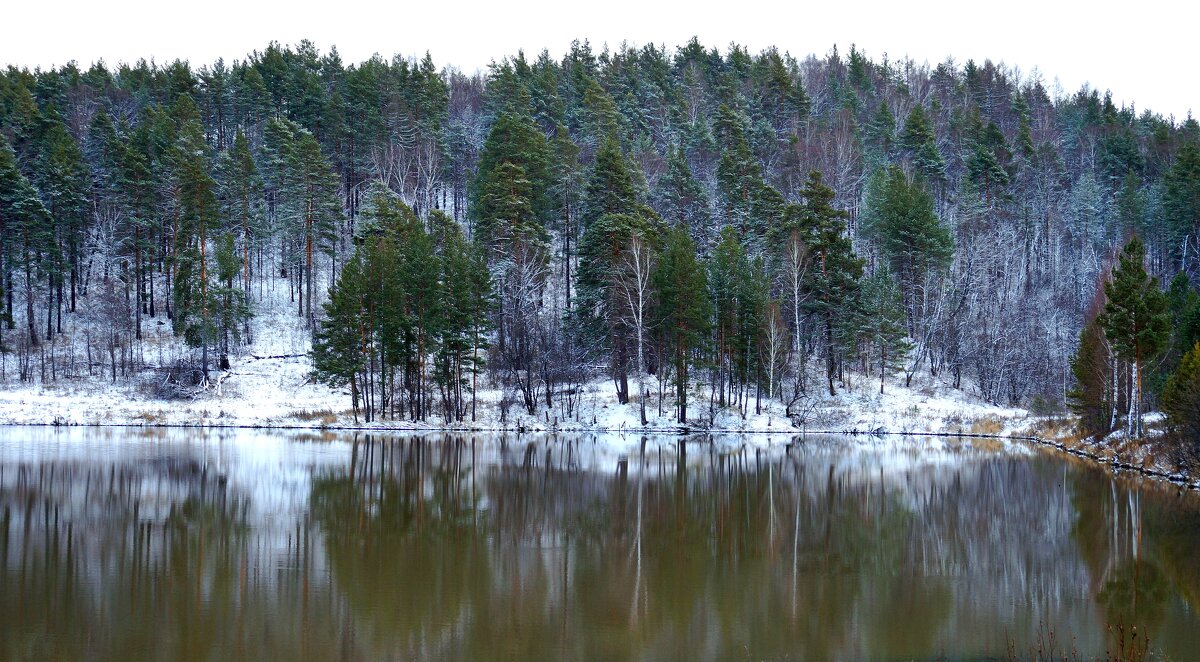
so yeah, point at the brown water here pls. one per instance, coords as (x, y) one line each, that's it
(123, 544)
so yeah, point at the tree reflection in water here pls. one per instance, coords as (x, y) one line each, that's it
(466, 547)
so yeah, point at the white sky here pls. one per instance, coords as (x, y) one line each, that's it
(1142, 51)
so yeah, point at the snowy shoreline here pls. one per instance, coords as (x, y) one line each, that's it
(927, 411)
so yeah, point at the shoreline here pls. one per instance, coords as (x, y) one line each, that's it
(1113, 463)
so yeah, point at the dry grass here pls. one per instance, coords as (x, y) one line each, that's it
(987, 425)
(1056, 428)
(323, 416)
(151, 417)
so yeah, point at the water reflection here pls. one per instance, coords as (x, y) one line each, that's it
(254, 545)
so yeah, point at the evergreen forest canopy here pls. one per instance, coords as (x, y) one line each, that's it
(707, 229)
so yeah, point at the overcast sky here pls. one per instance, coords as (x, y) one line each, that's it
(1143, 51)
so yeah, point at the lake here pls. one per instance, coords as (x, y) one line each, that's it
(256, 544)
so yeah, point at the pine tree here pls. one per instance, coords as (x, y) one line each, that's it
(466, 304)
(233, 309)
(833, 277)
(24, 221)
(508, 200)
(610, 186)
(988, 160)
(1181, 201)
(614, 222)
(881, 134)
(881, 323)
(515, 139)
(141, 197)
(315, 209)
(340, 340)
(404, 299)
(749, 205)
(1135, 321)
(64, 183)
(680, 199)
(241, 194)
(737, 285)
(683, 310)
(920, 144)
(610, 246)
(196, 304)
(910, 237)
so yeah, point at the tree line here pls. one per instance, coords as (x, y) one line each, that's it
(708, 229)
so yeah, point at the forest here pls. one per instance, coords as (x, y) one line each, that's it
(704, 229)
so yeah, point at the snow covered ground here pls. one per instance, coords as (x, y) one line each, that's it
(269, 385)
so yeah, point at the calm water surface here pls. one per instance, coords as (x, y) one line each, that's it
(127, 544)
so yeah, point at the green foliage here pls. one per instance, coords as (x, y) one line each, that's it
(341, 348)
(682, 200)
(194, 294)
(1135, 316)
(749, 204)
(881, 134)
(610, 185)
(22, 217)
(507, 200)
(988, 159)
(405, 296)
(683, 311)
(919, 142)
(879, 324)
(738, 287)
(603, 265)
(1091, 399)
(908, 232)
(465, 302)
(832, 279)
(514, 139)
(1181, 201)
(1181, 403)
(543, 153)
(1135, 319)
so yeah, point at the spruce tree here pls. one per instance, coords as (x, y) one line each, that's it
(1091, 399)
(1181, 404)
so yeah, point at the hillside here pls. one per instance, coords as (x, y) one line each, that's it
(748, 237)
